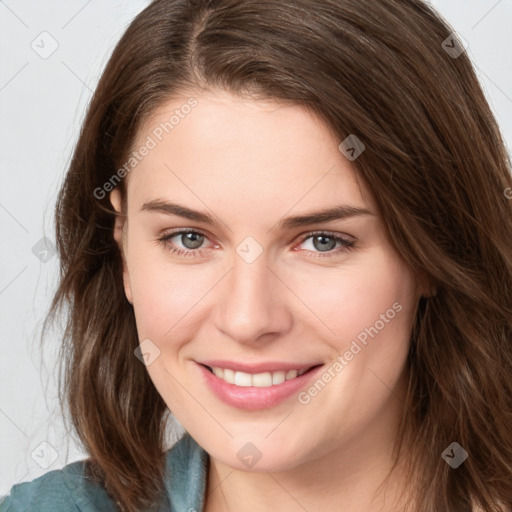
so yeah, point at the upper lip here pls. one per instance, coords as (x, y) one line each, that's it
(264, 366)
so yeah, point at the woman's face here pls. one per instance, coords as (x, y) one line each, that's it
(258, 290)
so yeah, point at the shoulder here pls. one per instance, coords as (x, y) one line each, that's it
(69, 490)
(62, 490)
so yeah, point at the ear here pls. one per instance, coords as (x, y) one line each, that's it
(120, 230)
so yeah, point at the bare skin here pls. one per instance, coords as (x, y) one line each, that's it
(250, 164)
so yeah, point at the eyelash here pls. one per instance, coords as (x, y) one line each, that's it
(347, 245)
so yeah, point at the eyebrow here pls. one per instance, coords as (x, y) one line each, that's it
(335, 213)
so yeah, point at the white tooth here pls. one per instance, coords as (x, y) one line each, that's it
(262, 380)
(243, 379)
(229, 376)
(278, 377)
(291, 374)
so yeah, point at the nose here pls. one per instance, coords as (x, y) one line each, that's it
(252, 306)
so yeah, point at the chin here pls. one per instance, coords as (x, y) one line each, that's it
(256, 454)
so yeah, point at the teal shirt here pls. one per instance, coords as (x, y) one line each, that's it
(67, 490)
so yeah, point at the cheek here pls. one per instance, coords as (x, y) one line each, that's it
(376, 294)
(168, 298)
(364, 312)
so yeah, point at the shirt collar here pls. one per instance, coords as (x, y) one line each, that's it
(186, 475)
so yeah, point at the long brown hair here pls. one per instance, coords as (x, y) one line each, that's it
(390, 72)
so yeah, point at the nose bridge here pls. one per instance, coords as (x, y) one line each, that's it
(252, 303)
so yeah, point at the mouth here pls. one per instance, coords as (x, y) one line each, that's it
(256, 391)
(258, 380)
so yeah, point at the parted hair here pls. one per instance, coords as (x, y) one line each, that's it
(394, 74)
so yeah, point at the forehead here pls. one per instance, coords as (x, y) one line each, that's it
(230, 148)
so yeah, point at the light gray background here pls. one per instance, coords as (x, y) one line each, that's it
(42, 103)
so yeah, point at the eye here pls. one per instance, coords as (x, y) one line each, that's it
(322, 243)
(190, 239)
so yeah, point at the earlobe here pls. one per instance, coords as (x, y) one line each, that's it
(119, 235)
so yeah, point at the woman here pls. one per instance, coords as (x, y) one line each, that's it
(287, 223)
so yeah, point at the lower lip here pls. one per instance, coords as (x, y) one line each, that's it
(254, 398)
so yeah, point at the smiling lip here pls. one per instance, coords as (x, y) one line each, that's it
(252, 397)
